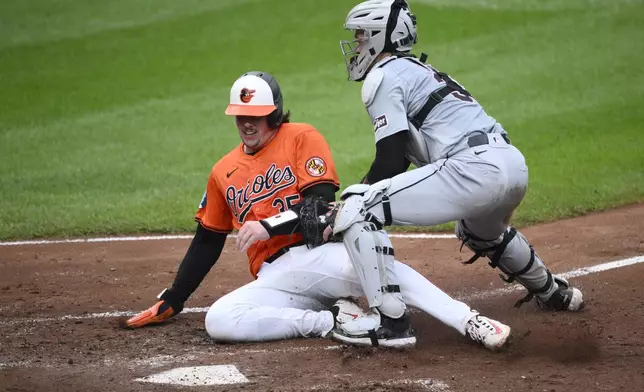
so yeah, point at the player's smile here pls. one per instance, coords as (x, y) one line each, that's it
(254, 132)
(249, 131)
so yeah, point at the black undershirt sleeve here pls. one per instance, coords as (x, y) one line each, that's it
(324, 190)
(203, 253)
(390, 158)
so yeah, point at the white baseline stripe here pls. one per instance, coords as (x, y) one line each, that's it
(427, 384)
(183, 237)
(467, 297)
(100, 239)
(423, 236)
(570, 274)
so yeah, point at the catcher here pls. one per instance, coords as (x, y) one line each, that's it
(467, 169)
(276, 188)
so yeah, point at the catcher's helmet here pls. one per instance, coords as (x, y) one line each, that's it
(388, 26)
(257, 94)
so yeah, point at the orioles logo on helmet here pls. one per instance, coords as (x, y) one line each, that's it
(246, 95)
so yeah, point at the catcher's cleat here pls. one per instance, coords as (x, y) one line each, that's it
(566, 298)
(354, 326)
(490, 333)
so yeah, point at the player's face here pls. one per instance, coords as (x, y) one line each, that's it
(360, 39)
(254, 132)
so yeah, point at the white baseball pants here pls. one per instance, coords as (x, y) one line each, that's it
(292, 296)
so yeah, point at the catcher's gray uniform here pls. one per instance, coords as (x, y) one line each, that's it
(468, 172)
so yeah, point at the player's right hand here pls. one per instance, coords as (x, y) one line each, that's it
(156, 314)
(250, 233)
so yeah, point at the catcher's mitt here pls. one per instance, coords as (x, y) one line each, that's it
(315, 215)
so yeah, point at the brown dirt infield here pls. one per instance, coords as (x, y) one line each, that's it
(598, 349)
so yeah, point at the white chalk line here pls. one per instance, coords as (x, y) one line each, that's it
(566, 275)
(88, 316)
(466, 298)
(15, 364)
(184, 237)
(427, 384)
(195, 354)
(288, 350)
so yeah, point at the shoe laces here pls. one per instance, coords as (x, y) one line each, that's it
(479, 328)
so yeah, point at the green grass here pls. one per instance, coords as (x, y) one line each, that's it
(112, 112)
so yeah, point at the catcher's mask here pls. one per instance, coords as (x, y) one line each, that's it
(377, 26)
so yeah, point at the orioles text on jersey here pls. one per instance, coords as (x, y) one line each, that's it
(262, 187)
(244, 187)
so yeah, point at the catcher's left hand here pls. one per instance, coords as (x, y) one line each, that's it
(316, 218)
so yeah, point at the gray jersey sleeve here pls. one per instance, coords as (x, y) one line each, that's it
(385, 104)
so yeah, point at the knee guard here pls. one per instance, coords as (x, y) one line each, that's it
(371, 195)
(514, 256)
(371, 254)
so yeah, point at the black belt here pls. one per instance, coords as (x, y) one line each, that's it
(481, 139)
(281, 252)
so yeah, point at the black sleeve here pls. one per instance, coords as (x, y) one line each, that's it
(390, 158)
(324, 190)
(203, 253)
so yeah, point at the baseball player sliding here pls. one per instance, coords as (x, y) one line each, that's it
(468, 171)
(276, 188)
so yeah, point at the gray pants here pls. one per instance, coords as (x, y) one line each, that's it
(479, 188)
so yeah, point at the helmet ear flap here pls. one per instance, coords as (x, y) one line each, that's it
(274, 119)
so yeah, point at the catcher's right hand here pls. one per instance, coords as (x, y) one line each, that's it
(156, 314)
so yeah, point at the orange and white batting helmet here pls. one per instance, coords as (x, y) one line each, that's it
(257, 94)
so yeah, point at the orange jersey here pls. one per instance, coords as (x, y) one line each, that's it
(246, 187)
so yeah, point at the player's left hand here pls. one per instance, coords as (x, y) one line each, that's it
(250, 232)
(327, 233)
